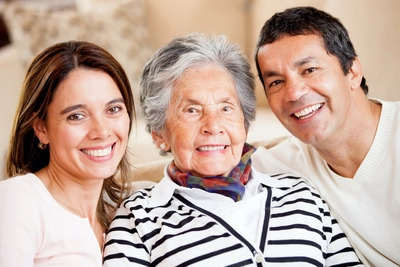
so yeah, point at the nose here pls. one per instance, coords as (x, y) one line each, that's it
(99, 128)
(295, 89)
(211, 123)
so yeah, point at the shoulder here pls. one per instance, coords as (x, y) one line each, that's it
(392, 108)
(23, 204)
(293, 182)
(300, 183)
(140, 198)
(388, 107)
(289, 187)
(151, 202)
(21, 184)
(141, 194)
(300, 199)
(288, 147)
(25, 194)
(289, 155)
(389, 126)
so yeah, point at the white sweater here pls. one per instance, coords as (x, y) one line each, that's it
(367, 206)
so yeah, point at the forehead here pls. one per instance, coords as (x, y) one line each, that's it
(86, 85)
(293, 52)
(208, 78)
(81, 76)
(292, 47)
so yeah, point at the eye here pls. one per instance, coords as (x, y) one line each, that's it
(191, 110)
(226, 109)
(114, 109)
(275, 83)
(75, 117)
(310, 70)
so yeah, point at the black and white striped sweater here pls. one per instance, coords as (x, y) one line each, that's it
(168, 225)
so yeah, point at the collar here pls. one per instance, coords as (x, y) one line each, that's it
(164, 190)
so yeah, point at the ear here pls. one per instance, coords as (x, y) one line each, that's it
(356, 74)
(40, 130)
(158, 139)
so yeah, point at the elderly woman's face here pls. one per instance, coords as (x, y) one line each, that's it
(86, 126)
(205, 123)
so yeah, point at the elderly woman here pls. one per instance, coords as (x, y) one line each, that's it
(212, 208)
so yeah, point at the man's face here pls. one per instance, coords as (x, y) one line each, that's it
(306, 87)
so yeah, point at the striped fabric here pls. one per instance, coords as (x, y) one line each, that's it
(161, 226)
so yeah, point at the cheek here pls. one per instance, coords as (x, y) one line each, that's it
(121, 126)
(181, 149)
(275, 105)
(177, 133)
(70, 136)
(126, 125)
(237, 132)
(181, 138)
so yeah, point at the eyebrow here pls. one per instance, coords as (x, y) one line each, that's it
(297, 64)
(268, 74)
(197, 102)
(304, 61)
(78, 106)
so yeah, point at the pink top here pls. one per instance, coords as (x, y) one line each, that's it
(36, 231)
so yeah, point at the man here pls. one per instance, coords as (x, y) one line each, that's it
(346, 144)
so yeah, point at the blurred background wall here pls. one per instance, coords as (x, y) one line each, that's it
(374, 27)
(133, 29)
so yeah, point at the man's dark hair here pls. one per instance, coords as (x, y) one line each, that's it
(309, 20)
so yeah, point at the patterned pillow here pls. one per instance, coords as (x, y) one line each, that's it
(33, 28)
(119, 26)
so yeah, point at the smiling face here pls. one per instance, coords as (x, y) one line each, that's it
(306, 87)
(86, 126)
(204, 123)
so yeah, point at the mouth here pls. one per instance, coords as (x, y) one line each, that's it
(98, 152)
(307, 112)
(210, 148)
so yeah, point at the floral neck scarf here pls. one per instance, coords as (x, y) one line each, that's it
(231, 186)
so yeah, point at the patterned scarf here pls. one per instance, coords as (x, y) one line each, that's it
(231, 186)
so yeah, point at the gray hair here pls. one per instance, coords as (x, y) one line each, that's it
(169, 63)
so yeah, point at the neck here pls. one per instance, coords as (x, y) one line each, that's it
(76, 196)
(345, 154)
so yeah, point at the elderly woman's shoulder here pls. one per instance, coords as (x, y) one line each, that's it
(140, 190)
(290, 188)
(292, 180)
(137, 185)
(285, 182)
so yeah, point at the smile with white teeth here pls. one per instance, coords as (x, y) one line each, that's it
(307, 112)
(98, 152)
(210, 148)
